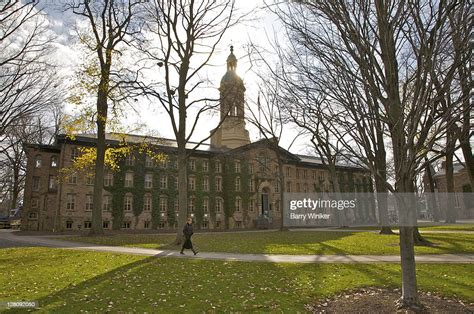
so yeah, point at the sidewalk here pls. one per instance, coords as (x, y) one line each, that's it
(351, 259)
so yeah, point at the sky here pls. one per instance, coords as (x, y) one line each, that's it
(260, 26)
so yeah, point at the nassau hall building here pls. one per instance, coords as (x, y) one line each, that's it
(232, 183)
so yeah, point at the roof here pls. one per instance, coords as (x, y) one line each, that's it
(232, 77)
(116, 138)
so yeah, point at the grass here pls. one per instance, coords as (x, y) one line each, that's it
(298, 242)
(68, 281)
(445, 227)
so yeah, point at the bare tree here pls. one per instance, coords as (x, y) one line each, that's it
(27, 130)
(272, 128)
(391, 50)
(28, 82)
(184, 36)
(111, 24)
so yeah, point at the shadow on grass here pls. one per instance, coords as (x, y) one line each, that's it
(93, 294)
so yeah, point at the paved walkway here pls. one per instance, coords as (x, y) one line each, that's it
(14, 240)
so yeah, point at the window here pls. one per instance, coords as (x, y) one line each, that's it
(204, 225)
(305, 173)
(238, 224)
(161, 225)
(33, 215)
(89, 202)
(297, 173)
(129, 160)
(146, 224)
(90, 179)
(36, 183)
(87, 224)
(54, 161)
(53, 183)
(192, 183)
(192, 164)
(288, 172)
(205, 183)
(34, 202)
(218, 167)
(277, 205)
(305, 187)
(72, 178)
(108, 178)
(71, 201)
(237, 166)
(176, 183)
(314, 174)
(237, 184)
(105, 224)
(298, 187)
(126, 225)
(251, 168)
(277, 187)
(164, 182)
(74, 153)
(163, 204)
(205, 165)
(147, 203)
(251, 185)
(218, 205)
(238, 203)
(205, 205)
(149, 161)
(129, 179)
(176, 205)
(148, 180)
(288, 186)
(107, 203)
(68, 224)
(321, 176)
(262, 162)
(251, 205)
(128, 203)
(163, 162)
(218, 184)
(192, 204)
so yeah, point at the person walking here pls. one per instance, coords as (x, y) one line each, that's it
(188, 232)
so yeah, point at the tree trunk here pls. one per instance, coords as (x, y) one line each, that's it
(96, 226)
(101, 121)
(450, 210)
(431, 201)
(281, 180)
(182, 192)
(468, 160)
(406, 203)
(382, 205)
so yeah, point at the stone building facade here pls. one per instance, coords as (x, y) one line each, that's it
(232, 183)
(463, 196)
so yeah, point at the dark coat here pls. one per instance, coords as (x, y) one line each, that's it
(188, 232)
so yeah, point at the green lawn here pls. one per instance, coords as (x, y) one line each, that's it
(68, 281)
(445, 227)
(294, 242)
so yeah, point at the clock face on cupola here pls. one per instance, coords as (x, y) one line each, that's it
(231, 133)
